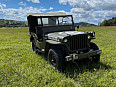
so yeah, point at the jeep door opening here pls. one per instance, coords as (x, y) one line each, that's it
(54, 34)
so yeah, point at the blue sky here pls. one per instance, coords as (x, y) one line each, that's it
(41, 4)
(92, 11)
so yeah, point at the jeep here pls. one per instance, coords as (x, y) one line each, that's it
(54, 34)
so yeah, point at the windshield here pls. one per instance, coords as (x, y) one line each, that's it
(56, 21)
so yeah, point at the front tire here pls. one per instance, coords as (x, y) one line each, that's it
(56, 59)
(95, 58)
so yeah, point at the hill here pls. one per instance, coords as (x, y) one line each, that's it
(85, 24)
(12, 23)
(15, 23)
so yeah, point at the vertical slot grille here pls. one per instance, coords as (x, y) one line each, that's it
(78, 42)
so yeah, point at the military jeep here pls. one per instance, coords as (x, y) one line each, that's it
(55, 35)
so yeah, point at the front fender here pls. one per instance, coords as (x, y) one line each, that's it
(53, 42)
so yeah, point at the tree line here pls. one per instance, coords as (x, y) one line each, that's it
(12, 23)
(110, 22)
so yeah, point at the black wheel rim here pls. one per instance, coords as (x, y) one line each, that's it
(53, 59)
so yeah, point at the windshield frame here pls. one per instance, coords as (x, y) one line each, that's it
(40, 17)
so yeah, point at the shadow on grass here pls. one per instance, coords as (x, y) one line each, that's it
(82, 66)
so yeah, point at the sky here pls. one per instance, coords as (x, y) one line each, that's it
(91, 11)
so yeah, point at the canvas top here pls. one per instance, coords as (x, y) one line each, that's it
(48, 14)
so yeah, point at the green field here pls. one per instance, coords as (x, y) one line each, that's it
(20, 66)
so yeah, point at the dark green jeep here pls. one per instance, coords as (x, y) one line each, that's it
(54, 34)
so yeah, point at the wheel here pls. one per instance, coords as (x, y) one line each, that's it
(95, 58)
(34, 46)
(55, 59)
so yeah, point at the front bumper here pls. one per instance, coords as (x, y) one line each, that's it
(75, 56)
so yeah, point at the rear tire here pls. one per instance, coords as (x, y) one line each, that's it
(95, 58)
(56, 60)
(34, 48)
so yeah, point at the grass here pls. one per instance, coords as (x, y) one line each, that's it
(20, 66)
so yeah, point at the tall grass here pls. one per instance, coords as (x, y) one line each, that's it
(19, 66)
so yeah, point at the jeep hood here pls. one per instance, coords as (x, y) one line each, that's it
(60, 35)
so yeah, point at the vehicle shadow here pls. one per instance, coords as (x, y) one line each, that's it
(74, 68)
(81, 66)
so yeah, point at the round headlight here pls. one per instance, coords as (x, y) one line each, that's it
(65, 40)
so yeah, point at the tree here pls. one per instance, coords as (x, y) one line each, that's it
(110, 22)
(99, 23)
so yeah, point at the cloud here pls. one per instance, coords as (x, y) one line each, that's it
(34, 1)
(91, 4)
(64, 2)
(80, 15)
(20, 13)
(51, 8)
(4, 5)
(1, 8)
(92, 11)
(22, 3)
